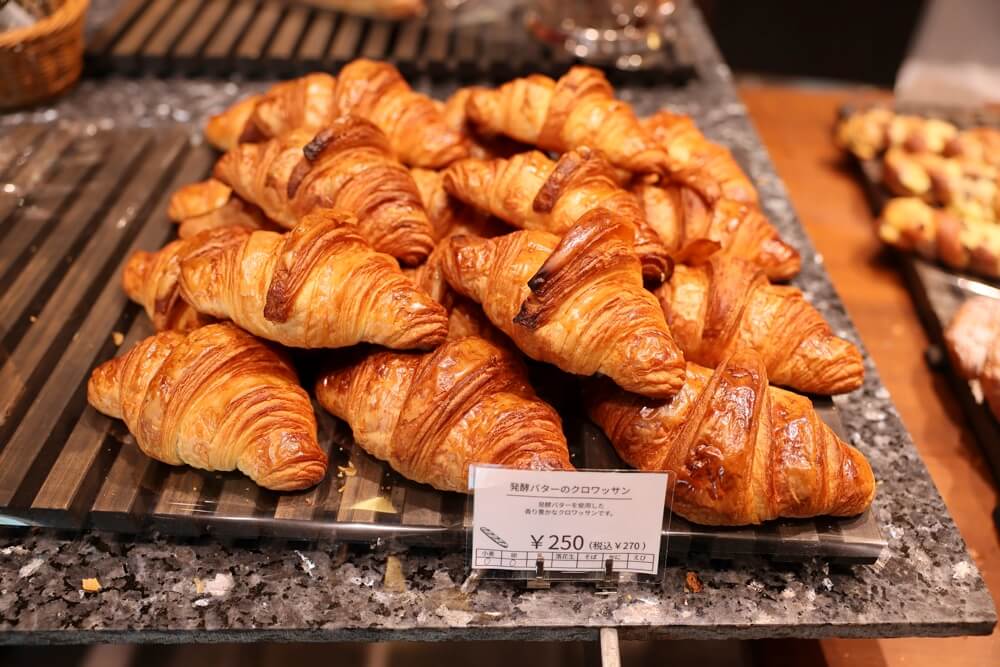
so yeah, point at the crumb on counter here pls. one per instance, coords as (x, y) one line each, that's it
(118, 337)
(692, 583)
(91, 585)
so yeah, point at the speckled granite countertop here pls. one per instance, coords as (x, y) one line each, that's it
(160, 589)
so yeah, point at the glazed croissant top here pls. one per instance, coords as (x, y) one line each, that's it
(743, 452)
(432, 415)
(577, 303)
(349, 166)
(414, 123)
(578, 110)
(531, 191)
(690, 228)
(727, 304)
(319, 285)
(217, 399)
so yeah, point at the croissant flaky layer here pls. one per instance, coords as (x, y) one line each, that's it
(577, 303)
(530, 191)
(433, 415)
(578, 110)
(319, 285)
(217, 399)
(212, 204)
(415, 124)
(347, 165)
(727, 304)
(689, 227)
(701, 161)
(743, 452)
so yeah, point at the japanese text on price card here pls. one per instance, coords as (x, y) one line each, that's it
(571, 521)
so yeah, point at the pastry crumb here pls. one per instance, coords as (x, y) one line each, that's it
(199, 586)
(33, 319)
(349, 470)
(91, 585)
(118, 337)
(692, 583)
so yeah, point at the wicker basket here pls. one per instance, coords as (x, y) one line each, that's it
(42, 60)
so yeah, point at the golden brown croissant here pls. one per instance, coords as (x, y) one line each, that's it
(152, 279)
(690, 227)
(217, 399)
(577, 303)
(963, 243)
(414, 124)
(480, 145)
(701, 160)
(973, 342)
(578, 110)
(743, 452)
(531, 191)
(449, 215)
(727, 304)
(348, 166)
(465, 317)
(432, 415)
(211, 204)
(319, 285)
(234, 125)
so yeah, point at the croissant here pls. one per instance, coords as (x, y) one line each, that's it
(447, 214)
(689, 227)
(480, 146)
(217, 399)
(577, 303)
(413, 123)
(743, 452)
(465, 317)
(153, 281)
(432, 415)
(977, 144)
(964, 243)
(973, 342)
(727, 304)
(701, 160)
(578, 110)
(211, 204)
(319, 285)
(348, 166)
(531, 191)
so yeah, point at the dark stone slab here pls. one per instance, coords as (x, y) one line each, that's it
(169, 590)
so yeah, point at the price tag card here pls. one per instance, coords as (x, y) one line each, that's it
(573, 521)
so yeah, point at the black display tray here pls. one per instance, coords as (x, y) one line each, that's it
(272, 39)
(78, 201)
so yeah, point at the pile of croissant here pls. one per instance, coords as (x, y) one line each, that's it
(432, 246)
(945, 184)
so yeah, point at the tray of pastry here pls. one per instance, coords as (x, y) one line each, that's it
(277, 38)
(360, 305)
(931, 176)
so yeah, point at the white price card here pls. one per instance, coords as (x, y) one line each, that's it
(573, 521)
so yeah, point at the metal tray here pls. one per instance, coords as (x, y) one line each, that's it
(75, 202)
(273, 39)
